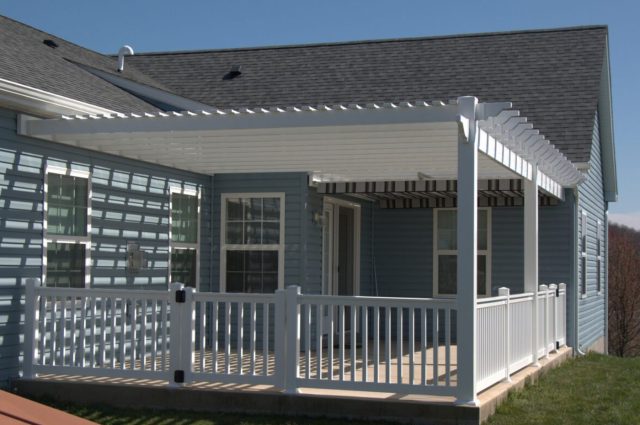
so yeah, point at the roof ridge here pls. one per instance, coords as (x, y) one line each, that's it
(375, 41)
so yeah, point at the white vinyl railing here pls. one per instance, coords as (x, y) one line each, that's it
(99, 332)
(505, 329)
(286, 340)
(372, 343)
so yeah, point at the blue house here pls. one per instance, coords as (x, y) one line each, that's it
(439, 200)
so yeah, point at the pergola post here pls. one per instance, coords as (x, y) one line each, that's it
(467, 235)
(531, 253)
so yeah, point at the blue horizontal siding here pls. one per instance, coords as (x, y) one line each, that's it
(130, 203)
(592, 308)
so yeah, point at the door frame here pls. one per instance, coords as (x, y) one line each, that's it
(334, 204)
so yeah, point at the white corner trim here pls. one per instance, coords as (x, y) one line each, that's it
(30, 99)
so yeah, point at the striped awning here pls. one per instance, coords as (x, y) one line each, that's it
(433, 193)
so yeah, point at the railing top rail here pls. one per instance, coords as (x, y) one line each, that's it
(234, 297)
(100, 292)
(377, 301)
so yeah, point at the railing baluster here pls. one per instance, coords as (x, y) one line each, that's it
(227, 338)
(202, 333)
(387, 344)
(134, 325)
(341, 340)
(154, 334)
(436, 345)
(63, 329)
(330, 315)
(54, 330)
(240, 335)
(92, 353)
(165, 334)
(103, 329)
(252, 342)
(399, 342)
(123, 332)
(72, 342)
(412, 346)
(112, 334)
(265, 338)
(319, 309)
(307, 340)
(353, 329)
(214, 337)
(447, 341)
(365, 343)
(423, 346)
(376, 344)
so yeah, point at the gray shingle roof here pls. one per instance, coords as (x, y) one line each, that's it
(552, 76)
(26, 60)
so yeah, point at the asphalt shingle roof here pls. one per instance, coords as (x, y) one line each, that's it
(25, 59)
(552, 76)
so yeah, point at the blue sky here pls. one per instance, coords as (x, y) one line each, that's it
(190, 24)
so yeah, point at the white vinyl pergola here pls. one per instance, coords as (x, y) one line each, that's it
(463, 140)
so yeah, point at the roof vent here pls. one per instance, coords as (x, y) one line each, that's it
(234, 72)
(50, 43)
(124, 51)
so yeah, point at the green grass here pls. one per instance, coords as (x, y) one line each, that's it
(594, 389)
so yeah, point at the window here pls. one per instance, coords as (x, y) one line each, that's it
(583, 253)
(445, 260)
(67, 228)
(184, 229)
(252, 242)
(599, 257)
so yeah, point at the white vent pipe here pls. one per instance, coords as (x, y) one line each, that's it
(124, 51)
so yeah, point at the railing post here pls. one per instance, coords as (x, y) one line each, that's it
(544, 290)
(280, 329)
(177, 303)
(554, 312)
(562, 291)
(505, 292)
(467, 273)
(31, 320)
(292, 339)
(531, 253)
(189, 338)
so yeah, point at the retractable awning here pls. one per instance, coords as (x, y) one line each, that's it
(386, 141)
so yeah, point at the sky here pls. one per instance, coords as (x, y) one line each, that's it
(190, 25)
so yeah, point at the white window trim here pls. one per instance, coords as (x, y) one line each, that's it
(66, 239)
(224, 247)
(184, 245)
(437, 252)
(584, 259)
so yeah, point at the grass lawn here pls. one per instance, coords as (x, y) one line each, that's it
(594, 389)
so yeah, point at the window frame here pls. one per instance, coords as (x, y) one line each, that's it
(174, 190)
(48, 238)
(224, 246)
(583, 256)
(437, 252)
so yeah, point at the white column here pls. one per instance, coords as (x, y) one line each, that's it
(467, 252)
(531, 252)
